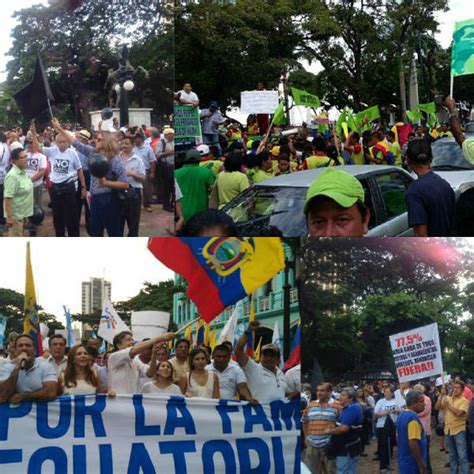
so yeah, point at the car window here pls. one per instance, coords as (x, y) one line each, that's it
(392, 188)
(261, 207)
(447, 155)
(369, 203)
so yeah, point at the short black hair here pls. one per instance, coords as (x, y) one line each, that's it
(57, 336)
(319, 143)
(207, 219)
(118, 338)
(15, 154)
(183, 339)
(233, 162)
(25, 335)
(419, 151)
(222, 347)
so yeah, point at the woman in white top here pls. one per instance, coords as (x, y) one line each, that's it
(163, 383)
(199, 382)
(386, 412)
(79, 378)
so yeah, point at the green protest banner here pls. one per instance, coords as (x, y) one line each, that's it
(279, 118)
(429, 108)
(369, 115)
(305, 98)
(414, 115)
(462, 55)
(187, 124)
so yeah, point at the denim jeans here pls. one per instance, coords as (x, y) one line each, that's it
(212, 139)
(105, 215)
(346, 464)
(457, 449)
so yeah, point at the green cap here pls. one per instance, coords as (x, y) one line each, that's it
(192, 156)
(468, 149)
(337, 185)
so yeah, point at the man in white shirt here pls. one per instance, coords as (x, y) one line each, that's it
(187, 96)
(4, 160)
(66, 169)
(123, 374)
(293, 378)
(57, 351)
(265, 380)
(232, 380)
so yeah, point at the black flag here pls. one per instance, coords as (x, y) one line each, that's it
(35, 97)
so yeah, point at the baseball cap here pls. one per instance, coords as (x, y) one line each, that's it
(203, 150)
(271, 348)
(15, 145)
(337, 185)
(275, 150)
(468, 149)
(85, 134)
(192, 156)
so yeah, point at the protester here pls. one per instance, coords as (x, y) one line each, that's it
(163, 381)
(265, 380)
(456, 408)
(319, 415)
(78, 378)
(123, 373)
(425, 418)
(232, 380)
(164, 152)
(335, 206)
(105, 206)
(136, 173)
(346, 434)
(195, 183)
(18, 195)
(57, 350)
(232, 181)
(386, 413)
(412, 443)
(4, 161)
(180, 361)
(430, 199)
(145, 153)
(199, 382)
(27, 378)
(186, 96)
(211, 119)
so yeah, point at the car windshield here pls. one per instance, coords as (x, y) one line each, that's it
(447, 155)
(260, 208)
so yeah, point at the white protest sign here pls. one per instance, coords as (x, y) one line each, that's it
(417, 353)
(148, 324)
(149, 434)
(258, 102)
(110, 323)
(76, 336)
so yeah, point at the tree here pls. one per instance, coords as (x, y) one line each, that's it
(225, 49)
(366, 290)
(79, 47)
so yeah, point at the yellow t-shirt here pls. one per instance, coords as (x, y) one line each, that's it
(414, 430)
(230, 185)
(260, 175)
(455, 424)
(397, 153)
(214, 165)
(318, 162)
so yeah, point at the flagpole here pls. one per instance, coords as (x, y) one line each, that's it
(49, 108)
(451, 88)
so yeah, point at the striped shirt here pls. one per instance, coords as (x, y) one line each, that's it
(320, 416)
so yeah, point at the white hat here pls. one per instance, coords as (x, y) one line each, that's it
(15, 145)
(203, 150)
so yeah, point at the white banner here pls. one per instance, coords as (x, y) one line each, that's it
(258, 102)
(149, 434)
(417, 353)
(148, 324)
(76, 335)
(110, 323)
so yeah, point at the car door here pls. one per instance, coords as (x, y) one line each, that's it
(389, 190)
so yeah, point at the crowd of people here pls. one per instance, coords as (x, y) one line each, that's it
(340, 422)
(113, 174)
(148, 366)
(235, 156)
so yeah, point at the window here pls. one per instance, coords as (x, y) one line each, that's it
(393, 187)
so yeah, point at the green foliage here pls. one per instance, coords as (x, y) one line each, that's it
(225, 49)
(355, 293)
(79, 46)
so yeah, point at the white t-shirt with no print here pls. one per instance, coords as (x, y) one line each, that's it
(123, 372)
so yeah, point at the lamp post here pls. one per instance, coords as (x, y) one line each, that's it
(289, 264)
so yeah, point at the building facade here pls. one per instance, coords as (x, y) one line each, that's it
(94, 292)
(268, 304)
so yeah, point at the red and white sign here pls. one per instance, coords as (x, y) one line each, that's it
(417, 353)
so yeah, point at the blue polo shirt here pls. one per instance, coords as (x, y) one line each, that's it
(351, 415)
(30, 380)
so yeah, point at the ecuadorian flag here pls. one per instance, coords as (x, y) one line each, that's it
(220, 270)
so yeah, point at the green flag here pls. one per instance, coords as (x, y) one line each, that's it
(279, 118)
(351, 122)
(305, 98)
(414, 115)
(429, 108)
(372, 114)
(340, 120)
(462, 55)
